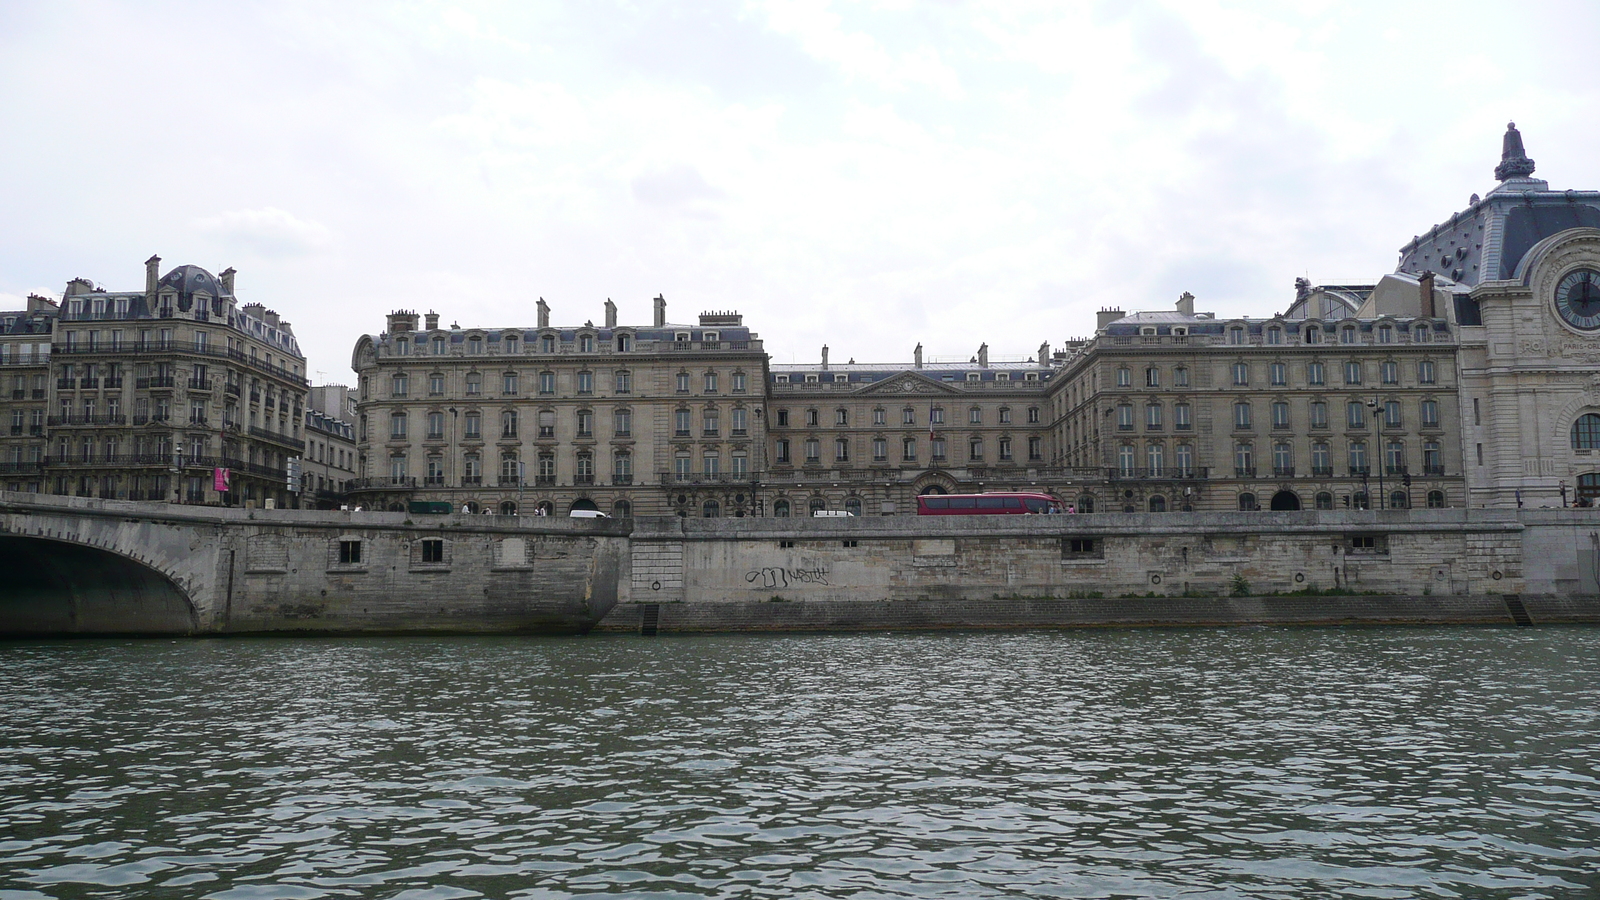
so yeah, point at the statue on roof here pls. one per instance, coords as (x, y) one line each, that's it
(1514, 161)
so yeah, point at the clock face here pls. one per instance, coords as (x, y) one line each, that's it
(1578, 299)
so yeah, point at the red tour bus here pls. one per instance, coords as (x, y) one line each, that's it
(995, 504)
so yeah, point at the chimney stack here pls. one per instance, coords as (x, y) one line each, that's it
(1106, 316)
(917, 355)
(227, 280)
(432, 318)
(152, 274)
(1186, 303)
(1425, 286)
(544, 313)
(824, 356)
(1044, 354)
(661, 311)
(611, 314)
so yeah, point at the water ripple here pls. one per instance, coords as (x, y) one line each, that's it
(1232, 763)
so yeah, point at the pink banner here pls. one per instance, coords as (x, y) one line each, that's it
(219, 479)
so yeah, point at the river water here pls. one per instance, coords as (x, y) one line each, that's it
(1281, 762)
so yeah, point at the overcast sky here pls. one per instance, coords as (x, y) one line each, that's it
(868, 176)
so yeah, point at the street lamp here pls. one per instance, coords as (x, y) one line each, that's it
(1377, 431)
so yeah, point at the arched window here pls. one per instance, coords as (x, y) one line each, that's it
(852, 505)
(1359, 500)
(1247, 502)
(1586, 432)
(1436, 500)
(1158, 503)
(1324, 500)
(818, 504)
(622, 509)
(710, 509)
(1399, 500)
(508, 508)
(781, 509)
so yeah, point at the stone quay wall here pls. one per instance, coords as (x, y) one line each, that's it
(1391, 566)
(83, 566)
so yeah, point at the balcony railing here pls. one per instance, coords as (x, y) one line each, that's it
(510, 479)
(1283, 471)
(391, 482)
(56, 421)
(1178, 473)
(1433, 470)
(277, 438)
(190, 347)
(706, 478)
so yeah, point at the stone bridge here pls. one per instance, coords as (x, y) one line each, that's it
(76, 565)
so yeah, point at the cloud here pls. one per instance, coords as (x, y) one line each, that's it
(674, 186)
(269, 231)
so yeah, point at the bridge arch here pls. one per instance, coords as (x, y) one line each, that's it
(56, 586)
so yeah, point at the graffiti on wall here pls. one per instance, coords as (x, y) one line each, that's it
(775, 577)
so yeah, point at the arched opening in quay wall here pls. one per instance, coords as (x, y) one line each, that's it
(56, 587)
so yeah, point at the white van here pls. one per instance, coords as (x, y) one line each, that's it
(831, 513)
(588, 514)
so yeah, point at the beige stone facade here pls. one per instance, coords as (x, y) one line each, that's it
(148, 393)
(628, 420)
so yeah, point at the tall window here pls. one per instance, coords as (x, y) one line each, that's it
(682, 422)
(508, 385)
(1184, 456)
(585, 382)
(841, 450)
(1244, 463)
(622, 423)
(1586, 432)
(435, 426)
(1314, 373)
(508, 423)
(1125, 417)
(908, 449)
(1282, 459)
(547, 382)
(1124, 377)
(1279, 373)
(1355, 414)
(739, 421)
(1358, 457)
(1152, 377)
(813, 451)
(1152, 416)
(1127, 460)
(474, 426)
(1155, 460)
(547, 423)
(1389, 372)
(1241, 373)
(398, 385)
(1280, 414)
(1241, 415)
(1180, 376)
(1180, 417)
(1425, 371)
(1352, 372)
(585, 423)
(1319, 414)
(1432, 458)
(1321, 459)
(397, 426)
(1394, 457)
(622, 467)
(1391, 414)
(1430, 414)
(622, 382)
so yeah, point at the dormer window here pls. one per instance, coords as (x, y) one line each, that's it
(681, 337)
(585, 343)
(475, 345)
(709, 337)
(811, 379)
(1236, 335)
(511, 343)
(1148, 330)
(624, 343)
(547, 343)
(974, 376)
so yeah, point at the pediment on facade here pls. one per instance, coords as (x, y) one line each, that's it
(910, 383)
